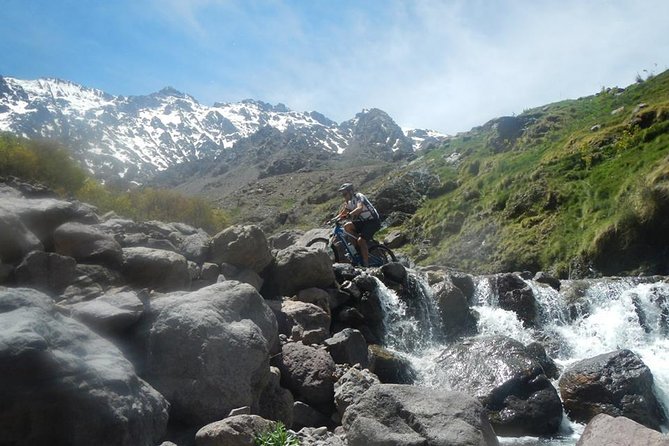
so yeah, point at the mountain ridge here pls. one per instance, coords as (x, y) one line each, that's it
(134, 137)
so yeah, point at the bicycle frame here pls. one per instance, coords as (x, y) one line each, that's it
(340, 234)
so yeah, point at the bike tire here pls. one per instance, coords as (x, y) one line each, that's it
(323, 244)
(379, 255)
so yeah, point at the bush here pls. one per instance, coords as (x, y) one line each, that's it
(279, 436)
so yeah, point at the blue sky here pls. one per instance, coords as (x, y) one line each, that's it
(442, 64)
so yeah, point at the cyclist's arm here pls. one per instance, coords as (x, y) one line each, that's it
(359, 209)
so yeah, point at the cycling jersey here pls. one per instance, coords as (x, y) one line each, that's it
(368, 211)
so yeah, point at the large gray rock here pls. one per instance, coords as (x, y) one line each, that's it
(276, 403)
(16, 240)
(401, 415)
(297, 268)
(63, 384)
(43, 215)
(208, 351)
(348, 347)
(309, 373)
(390, 367)
(508, 380)
(91, 281)
(517, 296)
(351, 386)
(156, 269)
(195, 246)
(238, 430)
(305, 322)
(616, 383)
(619, 431)
(242, 246)
(87, 244)
(111, 313)
(46, 271)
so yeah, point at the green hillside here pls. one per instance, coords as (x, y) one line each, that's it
(571, 188)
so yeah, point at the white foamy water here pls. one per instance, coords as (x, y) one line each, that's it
(605, 315)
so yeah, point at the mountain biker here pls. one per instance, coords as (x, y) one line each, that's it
(364, 219)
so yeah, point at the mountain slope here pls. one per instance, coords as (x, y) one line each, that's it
(135, 137)
(578, 187)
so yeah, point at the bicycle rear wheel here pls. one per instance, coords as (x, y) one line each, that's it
(323, 244)
(379, 255)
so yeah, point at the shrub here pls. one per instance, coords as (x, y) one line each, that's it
(279, 436)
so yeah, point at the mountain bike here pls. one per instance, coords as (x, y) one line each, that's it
(341, 248)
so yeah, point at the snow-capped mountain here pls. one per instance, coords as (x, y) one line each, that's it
(136, 136)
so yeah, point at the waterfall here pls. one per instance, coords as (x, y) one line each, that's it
(586, 318)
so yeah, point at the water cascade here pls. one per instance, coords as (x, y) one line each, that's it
(586, 318)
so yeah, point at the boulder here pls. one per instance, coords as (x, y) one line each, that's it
(457, 318)
(238, 430)
(395, 239)
(466, 284)
(195, 246)
(508, 381)
(208, 351)
(307, 416)
(242, 246)
(245, 275)
(297, 268)
(517, 296)
(348, 347)
(156, 269)
(16, 240)
(90, 281)
(549, 280)
(43, 215)
(87, 244)
(351, 386)
(320, 436)
(112, 313)
(305, 322)
(394, 272)
(390, 367)
(617, 383)
(309, 373)
(392, 414)
(284, 239)
(63, 384)
(46, 271)
(619, 431)
(276, 403)
(316, 296)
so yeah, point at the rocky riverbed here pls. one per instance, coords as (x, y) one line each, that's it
(116, 332)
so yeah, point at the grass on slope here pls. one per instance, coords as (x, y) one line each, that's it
(47, 163)
(565, 187)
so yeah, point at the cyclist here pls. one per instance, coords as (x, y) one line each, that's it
(364, 219)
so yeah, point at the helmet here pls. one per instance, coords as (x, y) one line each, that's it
(346, 187)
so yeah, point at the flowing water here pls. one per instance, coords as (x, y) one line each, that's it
(608, 314)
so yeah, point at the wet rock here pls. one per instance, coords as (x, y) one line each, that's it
(542, 277)
(348, 347)
(390, 367)
(388, 414)
(538, 352)
(344, 272)
(156, 269)
(87, 244)
(309, 373)
(457, 318)
(242, 246)
(208, 351)
(239, 430)
(508, 381)
(515, 295)
(63, 384)
(619, 431)
(616, 383)
(394, 272)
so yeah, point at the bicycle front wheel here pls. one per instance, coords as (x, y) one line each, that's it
(379, 255)
(323, 244)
